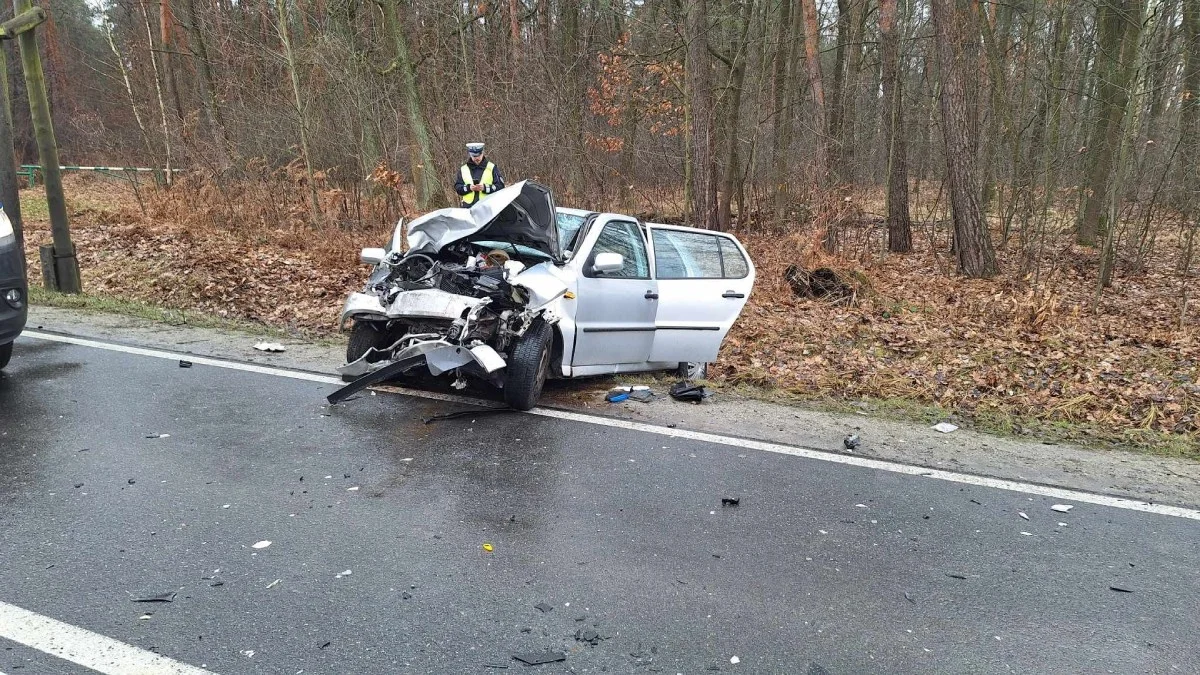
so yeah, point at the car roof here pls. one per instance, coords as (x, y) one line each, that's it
(573, 212)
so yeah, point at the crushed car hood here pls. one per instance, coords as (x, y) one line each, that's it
(520, 214)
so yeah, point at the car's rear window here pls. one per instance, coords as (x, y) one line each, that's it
(695, 255)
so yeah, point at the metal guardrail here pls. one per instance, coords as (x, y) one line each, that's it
(30, 171)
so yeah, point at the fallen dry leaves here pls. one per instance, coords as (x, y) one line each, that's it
(915, 333)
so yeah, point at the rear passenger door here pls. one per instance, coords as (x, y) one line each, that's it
(704, 280)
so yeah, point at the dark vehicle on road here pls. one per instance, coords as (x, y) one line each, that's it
(13, 288)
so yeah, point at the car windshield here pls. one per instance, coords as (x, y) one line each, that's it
(522, 251)
(568, 225)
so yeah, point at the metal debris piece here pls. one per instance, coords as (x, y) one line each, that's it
(1119, 589)
(164, 597)
(270, 347)
(217, 583)
(543, 607)
(185, 364)
(731, 501)
(462, 413)
(851, 442)
(539, 658)
(1062, 508)
(1023, 515)
(945, 427)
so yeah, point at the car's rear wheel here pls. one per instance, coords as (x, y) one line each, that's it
(528, 367)
(691, 370)
(5, 354)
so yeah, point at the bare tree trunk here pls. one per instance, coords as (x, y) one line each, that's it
(208, 86)
(733, 162)
(812, 61)
(285, 36)
(844, 92)
(572, 61)
(167, 42)
(430, 194)
(1189, 117)
(1120, 25)
(703, 164)
(780, 180)
(137, 116)
(958, 58)
(158, 89)
(899, 223)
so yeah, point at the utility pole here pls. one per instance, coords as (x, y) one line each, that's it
(9, 195)
(63, 274)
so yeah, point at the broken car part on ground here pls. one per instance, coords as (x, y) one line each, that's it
(501, 294)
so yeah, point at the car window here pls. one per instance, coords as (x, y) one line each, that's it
(624, 238)
(568, 225)
(687, 255)
(734, 262)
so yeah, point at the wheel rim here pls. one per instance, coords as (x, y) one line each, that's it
(693, 369)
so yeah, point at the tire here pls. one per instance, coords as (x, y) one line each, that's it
(528, 366)
(5, 354)
(363, 337)
(691, 370)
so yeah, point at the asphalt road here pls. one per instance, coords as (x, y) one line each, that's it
(126, 477)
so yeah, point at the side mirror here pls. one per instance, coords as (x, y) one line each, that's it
(372, 256)
(608, 262)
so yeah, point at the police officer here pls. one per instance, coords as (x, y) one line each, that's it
(478, 178)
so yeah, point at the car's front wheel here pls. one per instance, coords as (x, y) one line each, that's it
(5, 354)
(364, 337)
(528, 367)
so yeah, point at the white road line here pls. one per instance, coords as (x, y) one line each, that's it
(83, 647)
(762, 446)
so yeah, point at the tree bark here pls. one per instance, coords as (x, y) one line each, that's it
(285, 36)
(958, 58)
(158, 89)
(780, 178)
(572, 63)
(899, 223)
(208, 86)
(430, 194)
(812, 62)
(733, 163)
(703, 164)
(167, 41)
(1120, 25)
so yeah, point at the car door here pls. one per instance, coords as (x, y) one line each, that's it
(615, 311)
(704, 280)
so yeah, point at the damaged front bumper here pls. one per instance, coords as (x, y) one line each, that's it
(439, 356)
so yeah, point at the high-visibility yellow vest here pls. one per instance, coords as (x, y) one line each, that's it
(486, 180)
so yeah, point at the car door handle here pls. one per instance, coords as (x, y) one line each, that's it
(732, 294)
(651, 295)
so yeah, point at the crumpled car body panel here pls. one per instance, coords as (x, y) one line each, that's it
(521, 214)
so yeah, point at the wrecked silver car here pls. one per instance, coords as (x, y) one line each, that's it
(515, 291)
(469, 295)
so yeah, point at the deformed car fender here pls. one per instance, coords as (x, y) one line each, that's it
(362, 305)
